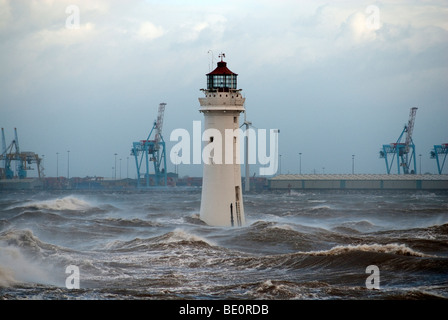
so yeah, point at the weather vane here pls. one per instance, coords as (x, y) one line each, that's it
(222, 55)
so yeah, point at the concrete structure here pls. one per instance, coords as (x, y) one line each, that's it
(222, 198)
(21, 184)
(359, 181)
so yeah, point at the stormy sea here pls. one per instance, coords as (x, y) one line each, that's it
(151, 244)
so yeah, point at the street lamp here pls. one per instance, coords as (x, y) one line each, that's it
(300, 162)
(115, 174)
(57, 165)
(420, 155)
(68, 164)
(353, 164)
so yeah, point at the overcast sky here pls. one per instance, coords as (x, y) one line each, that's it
(338, 78)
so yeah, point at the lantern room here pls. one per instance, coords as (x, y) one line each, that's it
(221, 79)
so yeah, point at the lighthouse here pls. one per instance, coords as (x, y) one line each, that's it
(221, 199)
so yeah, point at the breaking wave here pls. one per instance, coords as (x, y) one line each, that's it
(394, 248)
(68, 203)
(135, 222)
(181, 236)
(22, 259)
(176, 238)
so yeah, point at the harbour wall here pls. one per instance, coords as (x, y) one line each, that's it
(359, 182)
(257, 184)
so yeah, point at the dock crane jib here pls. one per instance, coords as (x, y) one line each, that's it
(159, 124)
(402, 152)
(410, 128)
(152, 150)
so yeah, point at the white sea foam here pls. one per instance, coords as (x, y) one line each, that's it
(66, 203)
(282, 226)
(394, 248)
(295, 193)
(179, 235)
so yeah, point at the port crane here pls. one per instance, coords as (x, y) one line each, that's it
(23, 160)
(440, 150)
(402, 152)
(152, 150)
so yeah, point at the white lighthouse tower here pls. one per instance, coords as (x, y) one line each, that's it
(222, 199)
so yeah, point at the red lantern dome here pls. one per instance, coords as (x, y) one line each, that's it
(221, 79)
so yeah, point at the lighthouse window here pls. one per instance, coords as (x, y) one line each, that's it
(211, 139)
(221, 81)
(218, 81)
(235, 119)
(231, 81)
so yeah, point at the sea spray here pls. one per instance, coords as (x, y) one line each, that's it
(16, 267)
